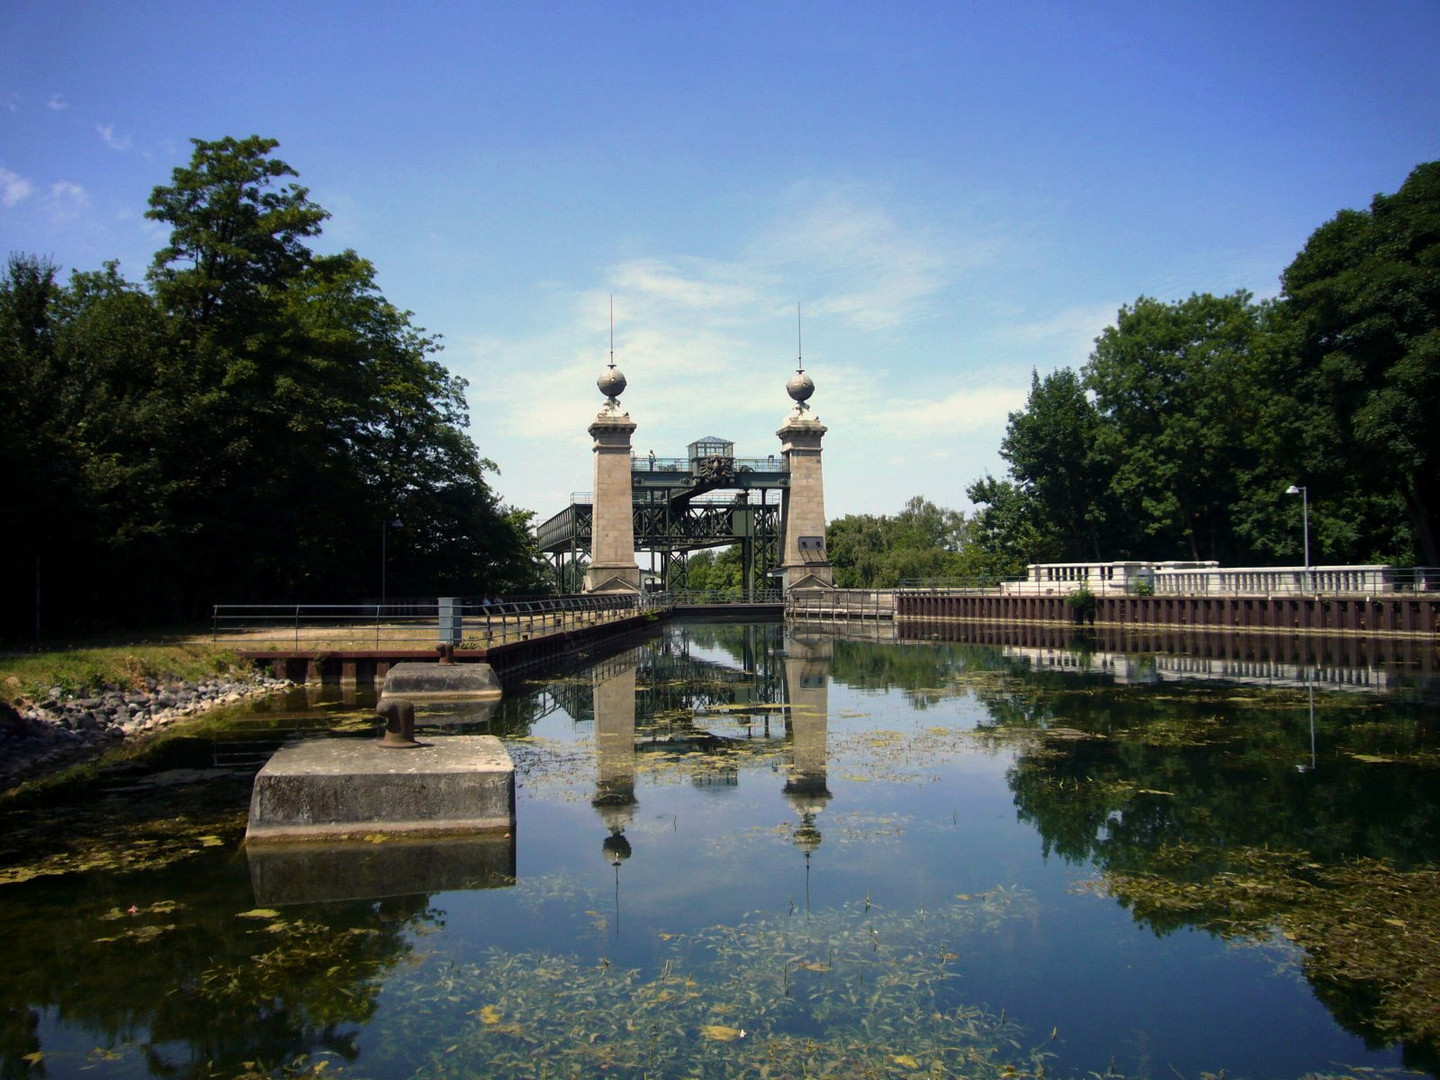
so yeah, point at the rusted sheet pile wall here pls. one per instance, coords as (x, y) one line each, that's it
(1334, 651)
(1392, 615)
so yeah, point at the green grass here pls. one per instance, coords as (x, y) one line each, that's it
(82, 671)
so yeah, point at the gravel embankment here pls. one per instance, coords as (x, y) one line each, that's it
(36, 737)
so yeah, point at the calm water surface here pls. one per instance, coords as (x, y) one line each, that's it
(746, 850)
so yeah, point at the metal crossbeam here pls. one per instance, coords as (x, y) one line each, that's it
(683, 505)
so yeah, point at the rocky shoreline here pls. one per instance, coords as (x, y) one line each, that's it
(59, 730)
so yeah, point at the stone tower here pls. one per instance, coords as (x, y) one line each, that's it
(804, 563)
(612, 526)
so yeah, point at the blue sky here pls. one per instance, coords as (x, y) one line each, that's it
(956, 193)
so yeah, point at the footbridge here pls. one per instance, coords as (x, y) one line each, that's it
(771, 507)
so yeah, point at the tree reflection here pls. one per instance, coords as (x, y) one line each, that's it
(1188, 802)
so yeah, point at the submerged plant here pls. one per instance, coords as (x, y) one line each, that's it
(854, 992)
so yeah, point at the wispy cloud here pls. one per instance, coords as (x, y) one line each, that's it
(10, 102)
(686, 283)
(1068, 336)
(708, 341)
(963, 411)
(112, 140)
(870, 269)
(66, 200)
(14, 188)
(57, 103)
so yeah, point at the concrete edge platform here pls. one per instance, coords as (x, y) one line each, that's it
(442, 682)
(333, 789)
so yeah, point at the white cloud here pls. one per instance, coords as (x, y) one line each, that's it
(869, 270)
(961, 412)
(113, 141)
(1067, 336)
(14, 188)
(707, 342)
(66, 200)
(57, 103)
(688, 283)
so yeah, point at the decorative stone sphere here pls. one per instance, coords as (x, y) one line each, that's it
(611, 382)
(800, 387)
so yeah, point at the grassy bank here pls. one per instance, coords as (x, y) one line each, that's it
(84, 671)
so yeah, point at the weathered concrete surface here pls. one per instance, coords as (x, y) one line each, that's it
(336, 789)
(365, 870)
(442, 682)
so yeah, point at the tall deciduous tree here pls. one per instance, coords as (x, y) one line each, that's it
(233, 233)
(1364, 296)
(1178, 388)
(1051, 447)
(248, 428)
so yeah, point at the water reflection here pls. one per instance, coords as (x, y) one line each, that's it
(807, 687)
(680, 692)
(1271, 805)
(309, 873)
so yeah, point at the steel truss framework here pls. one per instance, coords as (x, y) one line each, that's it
(709, 499)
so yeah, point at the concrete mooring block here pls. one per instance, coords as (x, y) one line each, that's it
(442, 682)
(335, 789)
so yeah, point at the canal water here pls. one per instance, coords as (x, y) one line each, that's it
(761, 851)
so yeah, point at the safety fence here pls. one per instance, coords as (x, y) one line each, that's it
(840, 604)
(446, 621)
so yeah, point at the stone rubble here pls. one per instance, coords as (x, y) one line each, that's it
(37, 737)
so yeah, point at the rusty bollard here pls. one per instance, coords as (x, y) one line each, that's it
(399, 716)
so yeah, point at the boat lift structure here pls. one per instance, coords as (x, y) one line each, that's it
(707, 499)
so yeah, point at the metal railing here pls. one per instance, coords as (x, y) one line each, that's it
(683, 597)
(462, 624)
(1217, 581)
(840, 603)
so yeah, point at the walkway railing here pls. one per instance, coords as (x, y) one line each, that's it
(713, 597)
(840, 603)
(1218, 581)
(461, 623)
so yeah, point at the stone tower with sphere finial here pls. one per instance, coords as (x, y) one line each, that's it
(804, 563)
(612, 528)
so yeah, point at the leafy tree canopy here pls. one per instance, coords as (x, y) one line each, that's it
(243, 429)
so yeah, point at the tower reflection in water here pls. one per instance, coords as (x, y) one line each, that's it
(788, 674)
(807, 690)
(614, 699)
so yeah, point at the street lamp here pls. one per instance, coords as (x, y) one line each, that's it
(385, 526)
(1304, 493)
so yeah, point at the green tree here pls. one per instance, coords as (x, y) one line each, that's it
(1009, 531)
(922, 541)
(715, 570)
(233, 234)
(1051, 448)
(1364, 297)
(320, 410)
(241, 430)
(1179, 390)
(42, 492)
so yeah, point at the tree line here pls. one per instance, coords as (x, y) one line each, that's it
(255, 422)
(1192, 420)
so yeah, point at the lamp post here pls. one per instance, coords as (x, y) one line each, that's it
(1304, 493)
(385, 526)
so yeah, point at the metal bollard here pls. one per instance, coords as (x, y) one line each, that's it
(399, 717)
